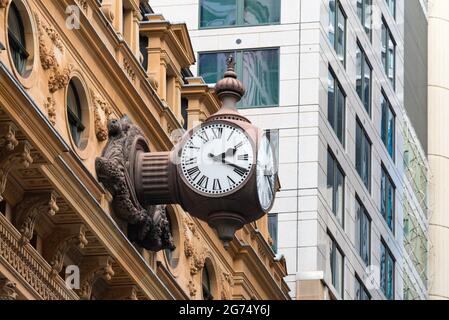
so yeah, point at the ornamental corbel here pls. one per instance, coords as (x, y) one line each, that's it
(8, 139)
(19, 157)
(30, 209)
(8, 290)
(60, 242)
(92, 269)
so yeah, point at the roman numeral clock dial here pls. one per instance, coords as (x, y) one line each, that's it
(217, 159)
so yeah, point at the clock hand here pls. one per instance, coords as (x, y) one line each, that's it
(229, 152)
(234, 165)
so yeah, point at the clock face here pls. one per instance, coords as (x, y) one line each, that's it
(217, 158)
(266, 173)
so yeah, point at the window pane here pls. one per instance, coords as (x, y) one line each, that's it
(363, 155)
(212, 66)
(388, 126)
(339, 196)
(273, 230)
(261, 78)
(368, 17)
(387, 199)
(367, 87)
(330, 180)
(359, 71)
(337, 268)
(341, 34)
(218, 13)
(261, 11)
(331, 100)
(332, 19)
(341, 115)
(16, 38)
(384, 46)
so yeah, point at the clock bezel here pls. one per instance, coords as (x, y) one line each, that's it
(275, 176)
(187, 137)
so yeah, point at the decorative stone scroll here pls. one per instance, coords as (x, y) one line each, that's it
(60, 242)
(92, 269)
(102, 113)
(147, 226)
(50, 106)
(30, 209)
(60, 78)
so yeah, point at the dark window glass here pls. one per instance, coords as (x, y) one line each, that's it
(74, 113)
(388, 126)
(387, 265)
(16, 38)
(206, 285)
(258, 70)
(363, 155)
(273, 230)
(363, 232)
(364, 12)
(335, 187)
(388, 53)
(336, 107)
(387, 200)
(3, 207)
(363, 78)
(336, 261)
(222, 13)
(337, 29)
(143, 44)
(184, 107)
(361, 293)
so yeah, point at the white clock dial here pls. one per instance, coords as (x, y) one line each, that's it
(266, 173)
(217, 158)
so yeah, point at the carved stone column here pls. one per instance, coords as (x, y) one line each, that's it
(92, 269)
(29, 210)
(12, 154)
(60, 242)
(7, 290)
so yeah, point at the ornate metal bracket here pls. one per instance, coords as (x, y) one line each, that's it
(148, 226)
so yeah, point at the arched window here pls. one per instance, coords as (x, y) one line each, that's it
(206, 284)
(16, 38)
(74, 113)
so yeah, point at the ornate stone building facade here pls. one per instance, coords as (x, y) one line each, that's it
(75, 75)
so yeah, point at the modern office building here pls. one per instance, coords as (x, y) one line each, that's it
(83, 84)
(329, 77)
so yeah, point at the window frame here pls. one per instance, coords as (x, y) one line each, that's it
(362, 18)
(365, 140)
(359, 230)
(274, 238)
(388, 37)
(384, 193)
(386, 102)
(338, 89)
(16, 47)
(364, 63)
(336, 168)
(238, 56)
(362, 287)
(388, 256)
(75, 120)
(333, 260)
(388, 2)
(339, 6)
(239, 17)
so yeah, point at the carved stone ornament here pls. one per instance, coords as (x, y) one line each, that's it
(147, 226)
(59, 79)
(102, 113)
(60, 242)
(47, 55)
(7, 290)
(30, 209)
(12, 155)
(4, 3)
(92, 269)
(8, 139)
(50, 106)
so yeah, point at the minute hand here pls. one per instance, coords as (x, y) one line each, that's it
(234, 165)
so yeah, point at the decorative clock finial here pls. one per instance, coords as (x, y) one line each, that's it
(230, 86)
